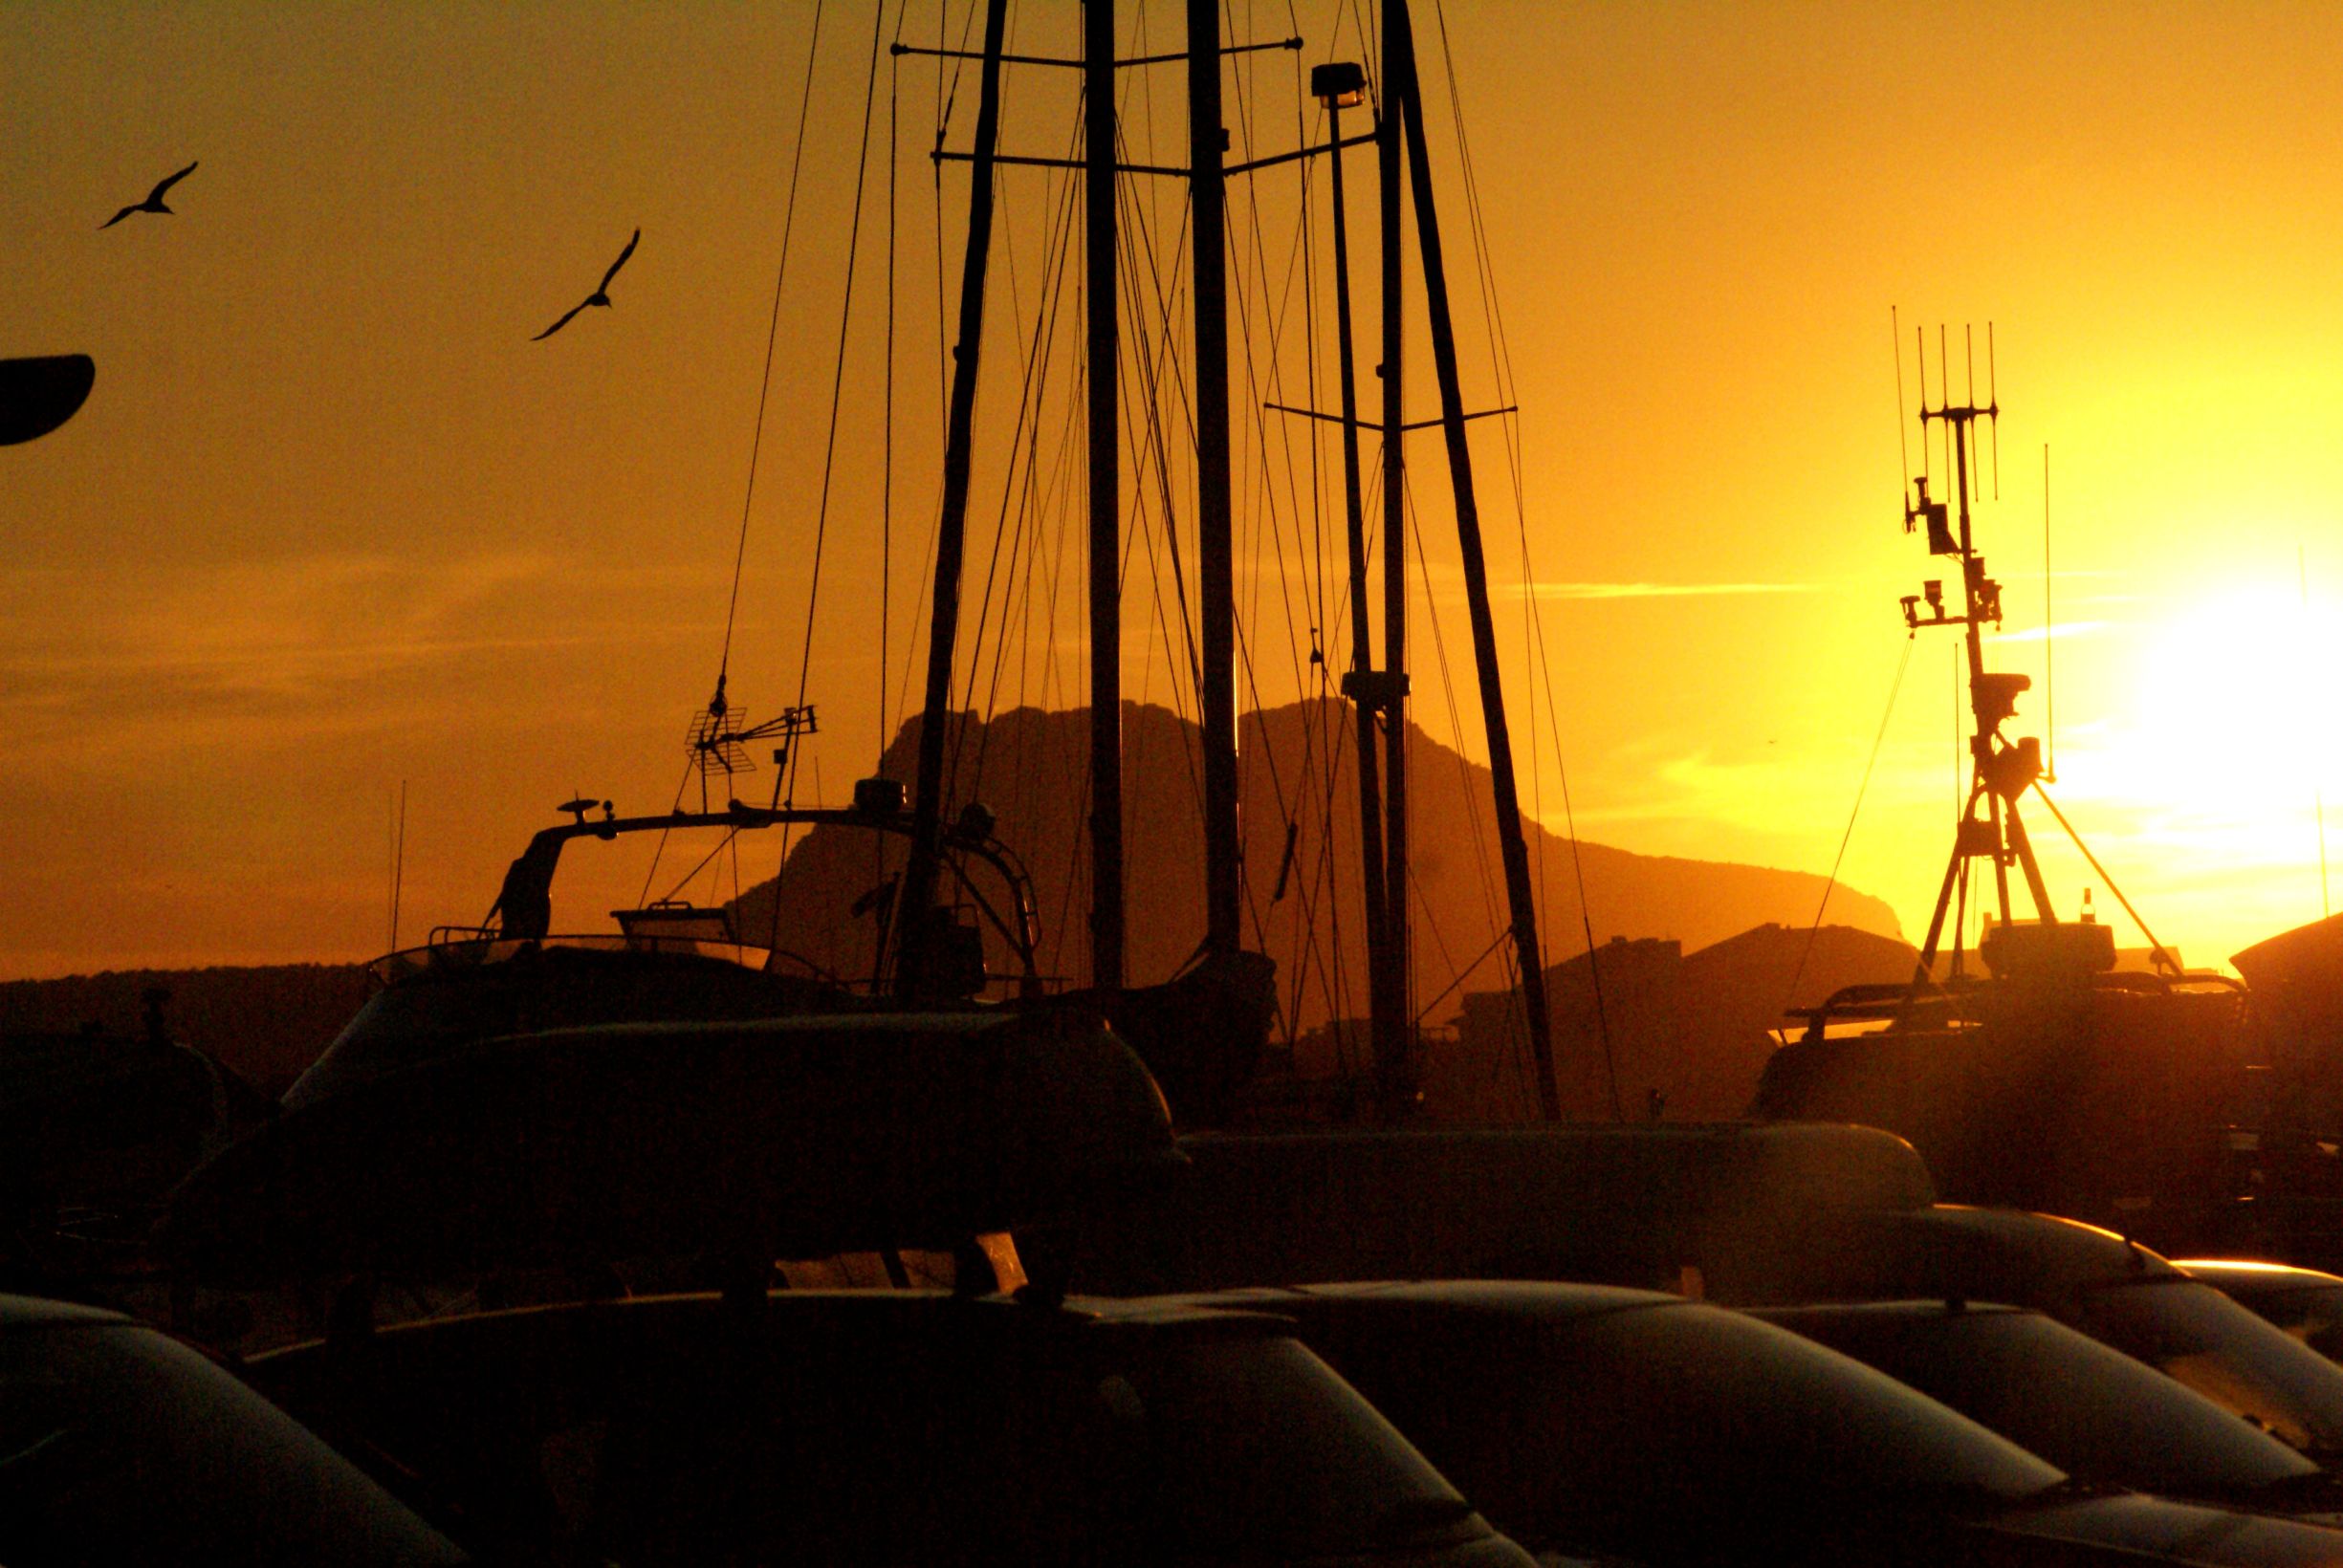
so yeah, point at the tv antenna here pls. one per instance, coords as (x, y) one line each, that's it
(720, 735)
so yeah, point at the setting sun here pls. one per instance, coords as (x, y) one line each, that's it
(2231, 721)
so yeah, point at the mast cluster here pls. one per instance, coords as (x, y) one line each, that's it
(1380, 694)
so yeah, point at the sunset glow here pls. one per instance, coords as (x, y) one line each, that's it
(331, 521)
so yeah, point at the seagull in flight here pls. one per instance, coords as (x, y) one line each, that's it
(600, 297)
(153, 202)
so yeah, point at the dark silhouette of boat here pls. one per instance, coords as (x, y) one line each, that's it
(2054, 1079)
(514, 975)
(736, 1142)
(97, 1127)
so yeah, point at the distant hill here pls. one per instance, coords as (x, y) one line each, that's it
(267, 1023)
(1028, 768)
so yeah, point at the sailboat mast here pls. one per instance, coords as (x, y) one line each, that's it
(1395, 920)
(1387, 980)
(1215, 569)
(919, 875)
(1106, 941)
(1400, 79)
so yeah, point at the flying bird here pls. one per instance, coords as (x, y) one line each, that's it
(600, 297)
(153, 202)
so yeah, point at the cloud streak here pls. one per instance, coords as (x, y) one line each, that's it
(285, 652)
(1655, 589)
(2065, 628)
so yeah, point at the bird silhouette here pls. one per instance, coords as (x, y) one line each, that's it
(153, 202)
(600, 297)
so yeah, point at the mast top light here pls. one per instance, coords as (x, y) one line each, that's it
(1339, 85)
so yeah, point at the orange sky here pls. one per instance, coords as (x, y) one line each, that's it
(330, 521)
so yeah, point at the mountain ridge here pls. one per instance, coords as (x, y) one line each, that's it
(1028, 767)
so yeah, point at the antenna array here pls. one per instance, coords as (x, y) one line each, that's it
(1990, 827)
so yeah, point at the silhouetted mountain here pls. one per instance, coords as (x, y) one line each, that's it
(1029, 769)
(267, 1023)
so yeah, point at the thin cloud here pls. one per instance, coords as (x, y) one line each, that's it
(1657, 590)
(284, 653)
(2065, 628)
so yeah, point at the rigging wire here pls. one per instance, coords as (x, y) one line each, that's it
(1159, 356)
(756, 435)
(1903, 440)
(1156, 454)
(838, 382)
(1328, 760)
(1462, 975)
(887, 444)
(2319, 791)
(1489, 902)
(732, 836)
(1536, 653)
(764, 384)
(1057, 242)
(886, 464)
(2157, 952)
(829, 453)
(1814, 930)
(945, 101)
(944, 104)
(1019, 495)
(659, 845)
(2049, 632)
(1269, 518)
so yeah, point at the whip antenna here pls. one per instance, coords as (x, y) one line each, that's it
(1968, 354)
(1993, 412)
(1944, 386)
(1903, 442)
(1920, 364)
(2050, 636)
(2318, 793)
(399, 860)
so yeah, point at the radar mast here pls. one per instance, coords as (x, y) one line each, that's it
(1989, 827)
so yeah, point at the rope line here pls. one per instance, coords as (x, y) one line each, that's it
(2157, 952)
(838, 379)
(1830, 885)
(773, 329)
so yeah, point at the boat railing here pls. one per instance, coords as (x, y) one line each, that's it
(456, 948)
(1944, 1004)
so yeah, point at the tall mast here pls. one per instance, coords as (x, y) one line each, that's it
(1107, 944)
(919, 873)
(1216, 571)
(1400, 84)
(1387, 979)
(1395, 920)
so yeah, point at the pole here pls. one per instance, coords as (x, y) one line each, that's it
(1400, 77)
(943, 626)
(1107, 942)
(1387, 981)
(1395, 913)
(1215, 568)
